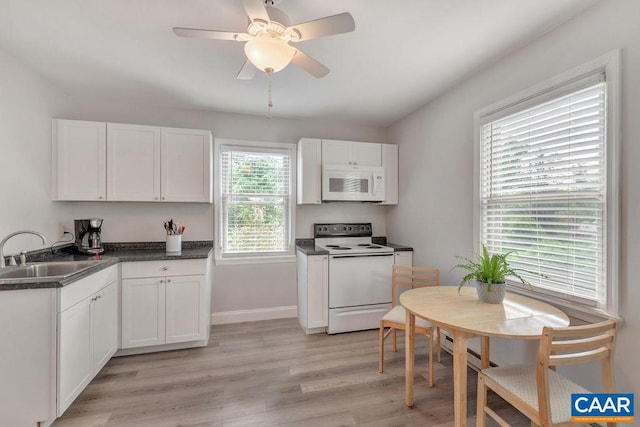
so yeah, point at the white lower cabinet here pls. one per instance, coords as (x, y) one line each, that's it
(164, 309)
(403, 258)
(313, 292)
(87, 333)
(143, 310)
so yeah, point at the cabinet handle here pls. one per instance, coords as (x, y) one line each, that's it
(155, 198)
(163, 198)
(100, 197)
(165, 268)
(168, 280)
(161, 281)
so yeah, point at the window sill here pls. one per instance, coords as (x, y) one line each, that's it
(573, 310)
(251, 260)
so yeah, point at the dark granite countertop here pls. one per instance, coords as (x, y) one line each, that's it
(155, 251)
(308, 247)
(114, 253)
(400, 248)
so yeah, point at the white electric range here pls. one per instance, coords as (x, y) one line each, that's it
(359, 276)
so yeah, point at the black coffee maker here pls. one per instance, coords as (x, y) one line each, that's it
(88, 235)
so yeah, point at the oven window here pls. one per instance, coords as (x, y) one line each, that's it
(348, 185)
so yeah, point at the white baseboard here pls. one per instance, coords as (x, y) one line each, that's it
(237, 316)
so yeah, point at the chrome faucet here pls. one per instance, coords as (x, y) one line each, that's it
(3, 241)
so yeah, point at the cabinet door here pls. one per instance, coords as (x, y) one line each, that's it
(390, 164)
(335, 152)
(74, 354)
(104, 321)
(79, 160)
(366, 154)
(318, 291)
(186, 317)
(143, 312)
(133, 162)
(309, 171)
(186, 165)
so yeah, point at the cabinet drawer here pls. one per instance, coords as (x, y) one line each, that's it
(163, 268)
(85, 287)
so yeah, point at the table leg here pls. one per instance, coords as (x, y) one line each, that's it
(460, 378)
(485, 351)
(409, 361)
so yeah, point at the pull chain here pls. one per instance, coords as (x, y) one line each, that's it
(269, 72)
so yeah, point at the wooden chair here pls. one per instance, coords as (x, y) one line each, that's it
(395, 318)
(540, 393)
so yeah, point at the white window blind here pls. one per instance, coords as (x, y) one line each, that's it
(543, 190)
(255, 201)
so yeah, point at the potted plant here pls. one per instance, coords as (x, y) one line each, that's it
(490, 271)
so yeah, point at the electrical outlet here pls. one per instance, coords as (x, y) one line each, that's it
(64, 230)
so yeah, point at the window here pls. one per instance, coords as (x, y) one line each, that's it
(253, 198)
(547, 189)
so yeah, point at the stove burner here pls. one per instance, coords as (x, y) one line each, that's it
(337, 247)
(369, 246)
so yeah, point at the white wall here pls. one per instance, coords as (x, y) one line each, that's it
(27, 103)
(435, 213)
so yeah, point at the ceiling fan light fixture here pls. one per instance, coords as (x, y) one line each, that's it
(269, 52)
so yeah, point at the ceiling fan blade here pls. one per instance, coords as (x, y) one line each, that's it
(208, 34)
(309, 64)
(327, 26)
(256, 10)
(247, 72)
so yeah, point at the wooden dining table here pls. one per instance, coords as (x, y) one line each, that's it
(464, 316)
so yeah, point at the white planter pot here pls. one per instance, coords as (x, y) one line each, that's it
(495, 296)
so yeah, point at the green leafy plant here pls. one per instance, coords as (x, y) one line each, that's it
(491, 269)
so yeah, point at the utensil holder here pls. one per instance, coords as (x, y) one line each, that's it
(174, 243)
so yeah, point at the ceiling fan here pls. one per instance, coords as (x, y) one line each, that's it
(269, 35)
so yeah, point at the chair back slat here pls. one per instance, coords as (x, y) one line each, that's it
(408, 276)
(581, 344)
(577, 358)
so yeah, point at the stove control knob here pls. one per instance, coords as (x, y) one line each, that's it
(350, 228)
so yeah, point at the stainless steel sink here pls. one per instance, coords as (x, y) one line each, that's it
(45, 271)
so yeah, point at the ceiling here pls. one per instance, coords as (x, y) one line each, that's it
(401, 55)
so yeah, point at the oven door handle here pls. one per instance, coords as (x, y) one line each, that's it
(358, 256)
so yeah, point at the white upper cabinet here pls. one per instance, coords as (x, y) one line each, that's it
(313, 154)
(122, 162)
(79, 160)
(133, 162)
(309, 171)
(390, 164)
(186, 165)
(351, 153)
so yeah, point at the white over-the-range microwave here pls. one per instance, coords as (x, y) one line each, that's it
(341, 183)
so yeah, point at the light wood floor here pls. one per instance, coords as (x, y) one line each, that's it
(271, 374)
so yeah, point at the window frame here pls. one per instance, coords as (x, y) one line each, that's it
(253, 257)
(608, 64)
